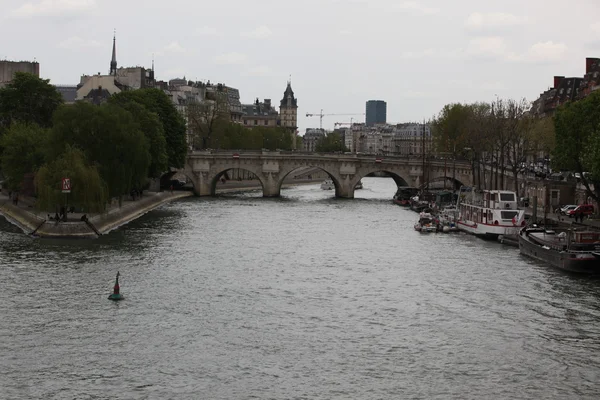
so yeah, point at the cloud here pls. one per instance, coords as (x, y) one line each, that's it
(260, 70)
(206, 31)
(493, 47)
(546, 52)
(431, 53)
(493, 21)
(174, 47)
(53, 8)
(230, 58)
(416, 7)
(76, 42)
(496, 48)
(344, 32)
(259, 33)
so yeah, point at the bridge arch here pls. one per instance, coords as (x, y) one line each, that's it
(222, 172)
(289, 169)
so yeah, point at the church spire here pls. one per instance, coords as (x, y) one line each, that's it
(113, 61)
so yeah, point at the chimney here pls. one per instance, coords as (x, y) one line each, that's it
(268, 104)
(589, 62)
(557, 81)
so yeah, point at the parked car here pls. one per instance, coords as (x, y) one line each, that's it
(585, 209)
(565, 209)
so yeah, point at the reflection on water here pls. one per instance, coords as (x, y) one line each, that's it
(306, 296)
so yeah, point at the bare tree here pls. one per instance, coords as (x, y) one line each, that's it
(207, 120)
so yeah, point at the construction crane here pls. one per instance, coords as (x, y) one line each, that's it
(321, 115)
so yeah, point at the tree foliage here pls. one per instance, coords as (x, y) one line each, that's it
(150, 124)
(208, 121)
(28, 99)
(24, 147)
(331, 142)
(577, 129)
(88, 189)
(110, 139)
(173, 124)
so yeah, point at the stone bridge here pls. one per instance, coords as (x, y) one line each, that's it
(205, 168)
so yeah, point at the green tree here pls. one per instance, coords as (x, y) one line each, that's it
(149, 123)
(331, 142)
(156, 101)
(24, 146)
(88, 190)
(28, 99)
(577, 128)
(111, 140)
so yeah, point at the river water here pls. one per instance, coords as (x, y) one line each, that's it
(301, 297)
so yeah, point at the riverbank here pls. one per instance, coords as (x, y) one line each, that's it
(88, 226)
(80, 225)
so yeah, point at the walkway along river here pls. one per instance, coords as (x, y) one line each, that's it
(302, 297)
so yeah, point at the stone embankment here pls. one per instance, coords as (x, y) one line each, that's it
(24, 216)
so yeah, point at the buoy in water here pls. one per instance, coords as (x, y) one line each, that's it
(115, 294)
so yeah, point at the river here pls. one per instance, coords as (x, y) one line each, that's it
(300, 297)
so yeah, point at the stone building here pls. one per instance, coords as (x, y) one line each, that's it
(412, 139)
(568, 89)
(260, 114)
(288, 108)
(9, 68)
(310, 139)
(98, 88)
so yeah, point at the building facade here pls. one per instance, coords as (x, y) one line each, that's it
(310, 139)
(9, 68)
(376, 112)
(260, 114)
(568, 89)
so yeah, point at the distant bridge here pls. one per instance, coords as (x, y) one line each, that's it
(205, 168)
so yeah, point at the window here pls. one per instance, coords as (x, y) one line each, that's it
(507, 197)
(245, 122)
(266, 122)
(255, 122)
(509, 214)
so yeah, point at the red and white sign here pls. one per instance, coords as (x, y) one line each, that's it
(66, 185)
(378, 160)
(236, 155)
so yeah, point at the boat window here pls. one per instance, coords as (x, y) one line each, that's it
(507, 197)
(508, 214)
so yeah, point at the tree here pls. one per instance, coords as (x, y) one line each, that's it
(208, 121)
(577, 127)
(88, 190)
(518, 134)
(110, 139)
(24, 146)
(28, 99)
(173, 124)
(331, 142)
(149, 123)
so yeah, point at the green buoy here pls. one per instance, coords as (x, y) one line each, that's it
(115, 294)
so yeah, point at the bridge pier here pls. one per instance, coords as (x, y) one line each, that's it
(271, 186)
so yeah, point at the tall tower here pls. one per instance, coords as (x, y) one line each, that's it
(288, 110)
(376, 112)
(113, 61)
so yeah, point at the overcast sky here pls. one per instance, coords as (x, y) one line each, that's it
(416, 55)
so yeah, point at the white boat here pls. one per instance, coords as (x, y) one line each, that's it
(489, 213)
(327, 185)
(425, 224)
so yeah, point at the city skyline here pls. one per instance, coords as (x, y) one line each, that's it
(417, 56)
